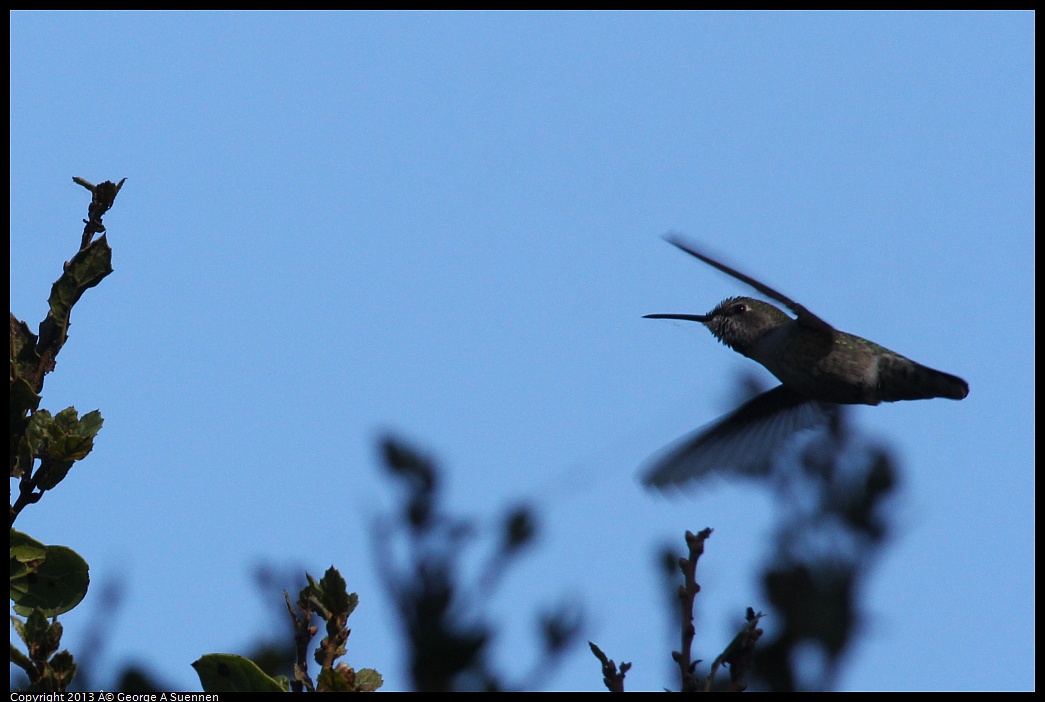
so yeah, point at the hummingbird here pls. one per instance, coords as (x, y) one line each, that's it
(819, 368)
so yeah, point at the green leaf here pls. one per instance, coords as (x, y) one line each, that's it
(332, 592)
(62, 669)
(40, 636)
(39, 430)
(23, 402)
(25, 372)
(54, 584)
(18, 658)
(90, 424)
(60, 441)
(343, 679)
(25, 361)
(25, 548)
(19, 627)
(87, 268)
(225, 672)
(23, 399)
(368, 680)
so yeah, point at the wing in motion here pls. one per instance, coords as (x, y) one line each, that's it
(804, 316)
(743, 442)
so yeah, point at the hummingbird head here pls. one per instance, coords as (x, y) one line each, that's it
(738, 322)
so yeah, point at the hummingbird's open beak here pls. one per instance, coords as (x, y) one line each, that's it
(702, 318)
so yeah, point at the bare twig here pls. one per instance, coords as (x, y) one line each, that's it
(739, 654)
(611, 675)
(102, 197)
(687, 595)
(304, 630)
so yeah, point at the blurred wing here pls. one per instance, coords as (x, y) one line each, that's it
(744, 442)
(804, 316)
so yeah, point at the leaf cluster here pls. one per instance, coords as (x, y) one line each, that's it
(50, 580)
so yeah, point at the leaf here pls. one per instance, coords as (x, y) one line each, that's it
(226, 672)
(25, 361)
(332, 592)
(54, 584)
(87, 268)
(368, 680)
(25, 548)
(17, 657)
(25, 372)
(60, 441)
(340, 679)
(27, 554)
(345, 679)
(23, 401)
(41, 637)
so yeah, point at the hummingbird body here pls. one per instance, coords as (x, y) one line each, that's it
(825, 364)
(818, 366)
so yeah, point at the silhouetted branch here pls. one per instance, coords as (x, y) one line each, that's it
(612, 677)
(739, 654)
(102, 197)
(687, 595)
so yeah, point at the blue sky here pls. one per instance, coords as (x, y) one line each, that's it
(448, 226)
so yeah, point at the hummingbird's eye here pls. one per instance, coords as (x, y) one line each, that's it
(740, 309)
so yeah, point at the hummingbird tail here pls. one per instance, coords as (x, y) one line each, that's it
(903, 379)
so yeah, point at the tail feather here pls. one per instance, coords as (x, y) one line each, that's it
(903, 379)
